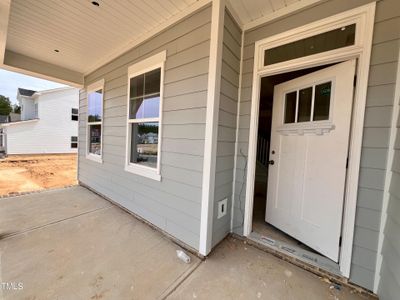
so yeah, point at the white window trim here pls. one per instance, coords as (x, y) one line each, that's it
(144, 66)
(92, 88)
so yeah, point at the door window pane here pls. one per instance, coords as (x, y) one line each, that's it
(290, 107)
(322, 101)
(95, 139)
(95, 106)
(334, 39)
(144, 144)
(304, 110)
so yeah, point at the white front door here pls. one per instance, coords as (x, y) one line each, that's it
(309, 147)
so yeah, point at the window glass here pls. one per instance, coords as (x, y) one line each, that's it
(290, 107)
(304, 110)
(145, 95)
(74, 142)
(95, 139)
(152, 82)
(74, 114)
(95, 100)
(322, 101)
(334, 39)
(137, 86)
(149, 107)
(144, 144)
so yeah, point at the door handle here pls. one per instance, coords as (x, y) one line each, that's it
(271, 162)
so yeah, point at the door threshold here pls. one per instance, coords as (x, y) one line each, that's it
(305, 259)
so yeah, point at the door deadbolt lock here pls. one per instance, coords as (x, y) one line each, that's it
(271, 162)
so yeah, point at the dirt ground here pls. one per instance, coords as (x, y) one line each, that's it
(25, 173)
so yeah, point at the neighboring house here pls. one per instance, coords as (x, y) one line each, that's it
(169, 125)
(48, 123)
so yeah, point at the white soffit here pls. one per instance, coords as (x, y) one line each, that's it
(88, 36)
(253, 13)
(85, 34)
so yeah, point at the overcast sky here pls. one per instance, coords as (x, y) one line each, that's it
(11, 81)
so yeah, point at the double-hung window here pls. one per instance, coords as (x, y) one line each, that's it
(74, 142)
(145, 90)
(74, 114)
(94, 131)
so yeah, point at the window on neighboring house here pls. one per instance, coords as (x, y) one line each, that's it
(144, 116)
(74, 114)
(95, 120)
(74, 142)
(36, 111)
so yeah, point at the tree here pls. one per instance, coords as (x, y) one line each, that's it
(17, 109)
(5, 106)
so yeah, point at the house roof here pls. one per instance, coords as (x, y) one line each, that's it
(25, 92)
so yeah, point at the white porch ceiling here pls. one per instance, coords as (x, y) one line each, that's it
(88, 36)
(82, 32)
(251, 10)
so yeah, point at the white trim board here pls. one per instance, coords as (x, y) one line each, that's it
(211, 131)
(237, 132)
(388, 176)
(364, 18)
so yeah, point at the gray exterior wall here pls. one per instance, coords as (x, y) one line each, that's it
(174, 204)
(389, 285)
(227, 125)
(376, 128)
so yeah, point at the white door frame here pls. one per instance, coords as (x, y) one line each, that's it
(363, 17)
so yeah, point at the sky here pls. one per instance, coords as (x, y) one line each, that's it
(11, 81)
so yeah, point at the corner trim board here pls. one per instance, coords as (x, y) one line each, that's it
(211, 131)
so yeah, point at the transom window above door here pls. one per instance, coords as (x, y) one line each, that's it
(334, 39)
(308, 104)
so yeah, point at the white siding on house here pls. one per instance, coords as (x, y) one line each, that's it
(52, 132)
(173, 204)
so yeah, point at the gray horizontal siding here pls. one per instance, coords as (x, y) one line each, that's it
(174, 204)
(227, 125)
(376, 130)
(389, 47)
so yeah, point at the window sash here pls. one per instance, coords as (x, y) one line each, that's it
(144, 120)
(93, 88)
(89, 139)
(144, 96)
(150, 64)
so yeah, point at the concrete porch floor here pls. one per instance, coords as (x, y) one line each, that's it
(73, 244)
